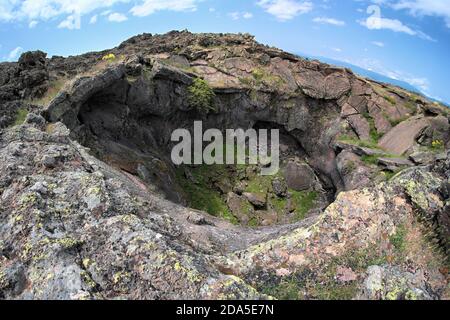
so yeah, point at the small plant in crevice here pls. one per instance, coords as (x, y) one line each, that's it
(21, 114)
(437, 145)
(396, 122)
(398, 239)
(357, 142)
(201, 96)
(390, 100)
(303, 202)
(55, 86)
(109, 57)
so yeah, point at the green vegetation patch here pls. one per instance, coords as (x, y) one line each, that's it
(437, 145)
(374, 135)
(371, 160)
(398, 239)
(390, 100)
(199, 193)
(303, 201)
(201, 96)
(260, 76)
(259, 184)
(359, 143)
(21, 114)
(397, 121)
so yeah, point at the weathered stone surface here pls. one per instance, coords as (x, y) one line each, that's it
(240, 207)
(299, 176)
(318, 86)
(360, 125)
(395, 162)
(403, 136)
(279, 187)
(392, 283)
(382, 124)
(257, 200)
(354, 173)
(422, 157)
(360, 151)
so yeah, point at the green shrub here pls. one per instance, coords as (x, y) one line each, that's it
(370, 159)
(412, 106)
(201, 96)
(109, 57)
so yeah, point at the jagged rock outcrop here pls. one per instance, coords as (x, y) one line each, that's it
(91, 207)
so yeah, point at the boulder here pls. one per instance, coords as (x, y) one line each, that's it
(422, 158)
(352, 170)
(402, 137)
(393, 283)
(279, 187)
(299, 176)
(240, 207)
(256, 199)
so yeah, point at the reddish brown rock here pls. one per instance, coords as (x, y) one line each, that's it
(403, 136)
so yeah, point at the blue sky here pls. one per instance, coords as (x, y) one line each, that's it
(405, 39)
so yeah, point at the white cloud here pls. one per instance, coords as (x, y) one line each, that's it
(422, 83)
(395, 25)
(336, 49)
(379, 23)
(234, 15)
(70, 11)
(72, 22)
(378, 44)
(238, 15)
(93, 19)
(32, 24)
(117, 17)
(149, 7)
(14, 54)
(285, 9)
(439, 8)
(332, 21)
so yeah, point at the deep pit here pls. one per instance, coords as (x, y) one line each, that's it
(128, 124)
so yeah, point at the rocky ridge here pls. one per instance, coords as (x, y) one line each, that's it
(92, 208)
